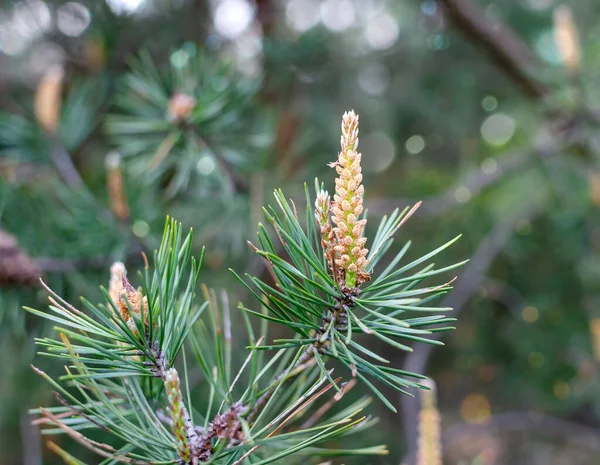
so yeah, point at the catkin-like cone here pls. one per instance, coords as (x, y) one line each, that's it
(115, 185)
(348, 206)
(177, 414)
(567, 39)
(430, 449)
(322, 214)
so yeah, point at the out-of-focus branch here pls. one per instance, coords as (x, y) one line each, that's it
(504, 47)
(30, 439)
(574, 433)
(475, 182)
(467, 284)
(504, 294)
(63, 164)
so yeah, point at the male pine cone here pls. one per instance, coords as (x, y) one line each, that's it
(344, 244)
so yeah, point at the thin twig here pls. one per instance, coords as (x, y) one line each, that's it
(104, 450)
(327, 406)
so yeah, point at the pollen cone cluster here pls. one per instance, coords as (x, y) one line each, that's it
(430, 450)
(123, 293)
(177, 413)
(346, 246)
(322, 214)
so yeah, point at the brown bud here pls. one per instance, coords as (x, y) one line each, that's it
(16, 267)
(116, 186)
(180, 107)
(48, 99)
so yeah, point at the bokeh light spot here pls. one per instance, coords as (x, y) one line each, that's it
(179, 58)
(124, 7)
(536, 359)
(374, 79)
(475, 408)
(415, 144)
(381, 151)
(206, 165)
(140, 228)
(530, 314)
(232, 18)
(561, 390)
(489, 103)
(429, 7)
(462, 194)
(382, 31)
(438, 42)
(72, 19)
(489, 166)
(302, 15)
(498, 129)
(338, 15)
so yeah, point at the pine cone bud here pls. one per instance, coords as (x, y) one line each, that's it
(180, 107)
(16, 267)
(126, 297)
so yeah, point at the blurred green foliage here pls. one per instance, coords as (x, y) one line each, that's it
(442, 120)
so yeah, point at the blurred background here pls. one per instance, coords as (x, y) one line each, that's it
(115, 113)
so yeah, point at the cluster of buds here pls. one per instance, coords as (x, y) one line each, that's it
(322, 214)
(129, 301)
(344, 244)
(180, 107)
(226, 426)
(177, 414)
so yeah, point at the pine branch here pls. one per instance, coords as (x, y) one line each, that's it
(505, 48)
